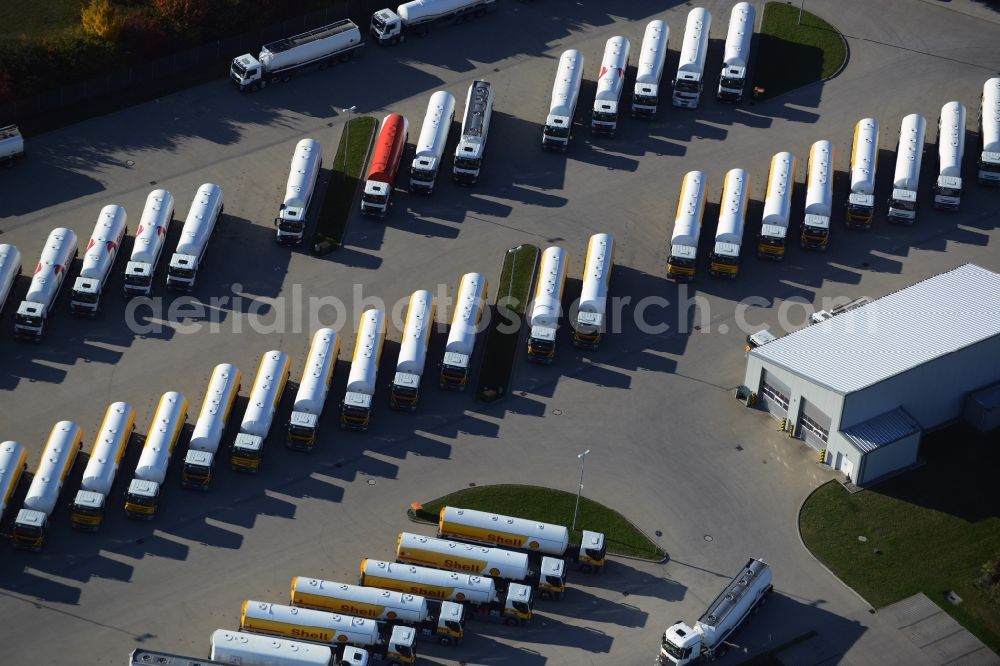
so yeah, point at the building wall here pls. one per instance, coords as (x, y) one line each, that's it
(886, 459)
(839, 448)
(934, 392)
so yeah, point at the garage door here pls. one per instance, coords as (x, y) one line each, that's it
(774, 395)
(814, 426)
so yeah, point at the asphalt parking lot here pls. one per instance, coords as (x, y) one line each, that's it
(670, 447)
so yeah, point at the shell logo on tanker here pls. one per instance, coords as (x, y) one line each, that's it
(464, 565)
(494, 571)
(360, 610)
(313, 634)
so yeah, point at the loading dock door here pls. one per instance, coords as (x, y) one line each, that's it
(774, 394)
(814, 426)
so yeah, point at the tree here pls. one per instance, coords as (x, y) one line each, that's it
(101, 19)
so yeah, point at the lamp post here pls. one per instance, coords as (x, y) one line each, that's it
(347, 137)
(579, 490)
(802, 5)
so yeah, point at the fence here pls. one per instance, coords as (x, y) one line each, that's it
(163, 75)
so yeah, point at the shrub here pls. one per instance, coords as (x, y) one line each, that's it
(101, 19)
(989, 579)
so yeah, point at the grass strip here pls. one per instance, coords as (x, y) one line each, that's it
(345, 179)
(550, 506)
(512, 296)
(929, 530)
(790, 55)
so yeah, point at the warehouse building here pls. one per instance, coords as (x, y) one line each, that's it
(862, 386)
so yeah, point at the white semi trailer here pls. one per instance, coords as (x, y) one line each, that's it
(725, 260)
(649, 70)
(237, 647)
(706, 640)
(268, 387)
(864, 160)
(356, 407)
(11, 144)
(479, 593)
(736, 54)
(777, 208)
(610, 83)
(291, 220)
(10, 268)
(430, 146)
(405, 389)
(469, 306)
(475, 129)
(691, 68)
(150, 238)
(57, 460)
(279, 60)
(989, 133)
(951, 149)
(13, 462)
(819, 197)
(536, 538)
(98, 260)
(393, 645)
(558, 126)
(504, 566)
(546, 308)
(87, 510)
(143, 495)
(203, 449)
(198, 228)
(442, 622)
(592, 308)
(420, 16)
(314, 388)
(906, 178)
(687, 227)
(32, 316)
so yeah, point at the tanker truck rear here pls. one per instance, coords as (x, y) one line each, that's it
(150, 238)
(469, 306)
(649, 70)
(33, 313)
(314, 388)
(558, 126)
(268, 387)
(405, 389)
(356, 407)
(291, 220)
(143, 495)
(90, 504)
(430, 146)
(690, 77)
(381, 179)
(951, 149)
(736, 53)
(98, 260)
(989, 134)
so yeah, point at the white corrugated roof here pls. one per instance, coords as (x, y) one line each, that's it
(881, 430)
(895, 333)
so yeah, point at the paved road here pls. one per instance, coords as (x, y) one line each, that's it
(670, 446)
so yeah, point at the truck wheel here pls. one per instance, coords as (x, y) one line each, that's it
(586, 568)
(444, 640)
(511, 621)
(545, 594)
